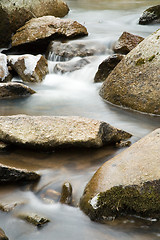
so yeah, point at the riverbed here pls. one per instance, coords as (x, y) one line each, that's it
(76, 94)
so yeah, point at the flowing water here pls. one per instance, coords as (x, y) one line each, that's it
(76, 94)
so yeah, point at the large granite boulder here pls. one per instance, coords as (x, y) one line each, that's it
(135, 81)
(106, 67)
(126, 43)
(11, 174)
(5, 75)
(14, 90)
(14, 14)
(47, 28)
(29, 67)
(129, 183)
(63, 51)
(49, 132)
(150, 15)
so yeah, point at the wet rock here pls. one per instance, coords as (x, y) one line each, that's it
(49, 132)
(51, 196)
(14, 14)
(8, 206)
(66, 194)
(14, 90)
(123, 144)
(72, 65)
(47, 28)
(11, 174)
(150, 15)
(126, 43)
(29, 67)
(3, 235)
(135, 81)
(62, 51)
(106, 67)
(129, 183)
(34, 219)
(5, 75)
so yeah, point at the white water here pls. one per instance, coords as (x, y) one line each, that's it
(76, 94)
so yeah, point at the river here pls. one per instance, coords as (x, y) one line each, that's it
(76, 94)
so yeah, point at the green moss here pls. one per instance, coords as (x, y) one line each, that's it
(151, 58)
(140, 61)
(141, 200)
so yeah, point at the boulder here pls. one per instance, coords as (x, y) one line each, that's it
(34, 219)
(135, 81)
(11, 175)
(9, 205)
(106, 67)
(29, 67)
(72, 65)
(150, 15)
(126, 43)
(129, 183)
(14, 14)
(49, 132)
(66, 194)
(3, 235)
(14, 90)
(47, 28)
(64, 51)
(5, 75)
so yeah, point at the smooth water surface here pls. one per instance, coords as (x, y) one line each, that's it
(76, 94)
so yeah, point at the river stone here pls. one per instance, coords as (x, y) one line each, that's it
(48, 132)
(14, 90)
(106, 67)
(135, 81)
(47, 28)
(11, 174)
(150, 15)
(129, 183)
(5, 75)
(126, 43)
(14, 14)
(72, 65)
(66, 194)
(3, 235)
(63, 51)
(34, 219)
(29, 67)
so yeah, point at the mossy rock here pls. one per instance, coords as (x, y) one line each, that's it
(150, 15)
(127, 184)
(135, 83)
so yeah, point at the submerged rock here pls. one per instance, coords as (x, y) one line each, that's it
(129, 183)
(8, 206)
(14, 14)
(150, 15)
(135, 81)
(29, 67)
(126, 43)
(5, 75)
(11, 175)
(66, 194)
(47, 28)
(62, 51)
(49, 132)
(72, 65)
(3, 235)
(14, 90)
(34, 219)
(106, 67)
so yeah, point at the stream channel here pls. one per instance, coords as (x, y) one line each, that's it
(76, 94)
